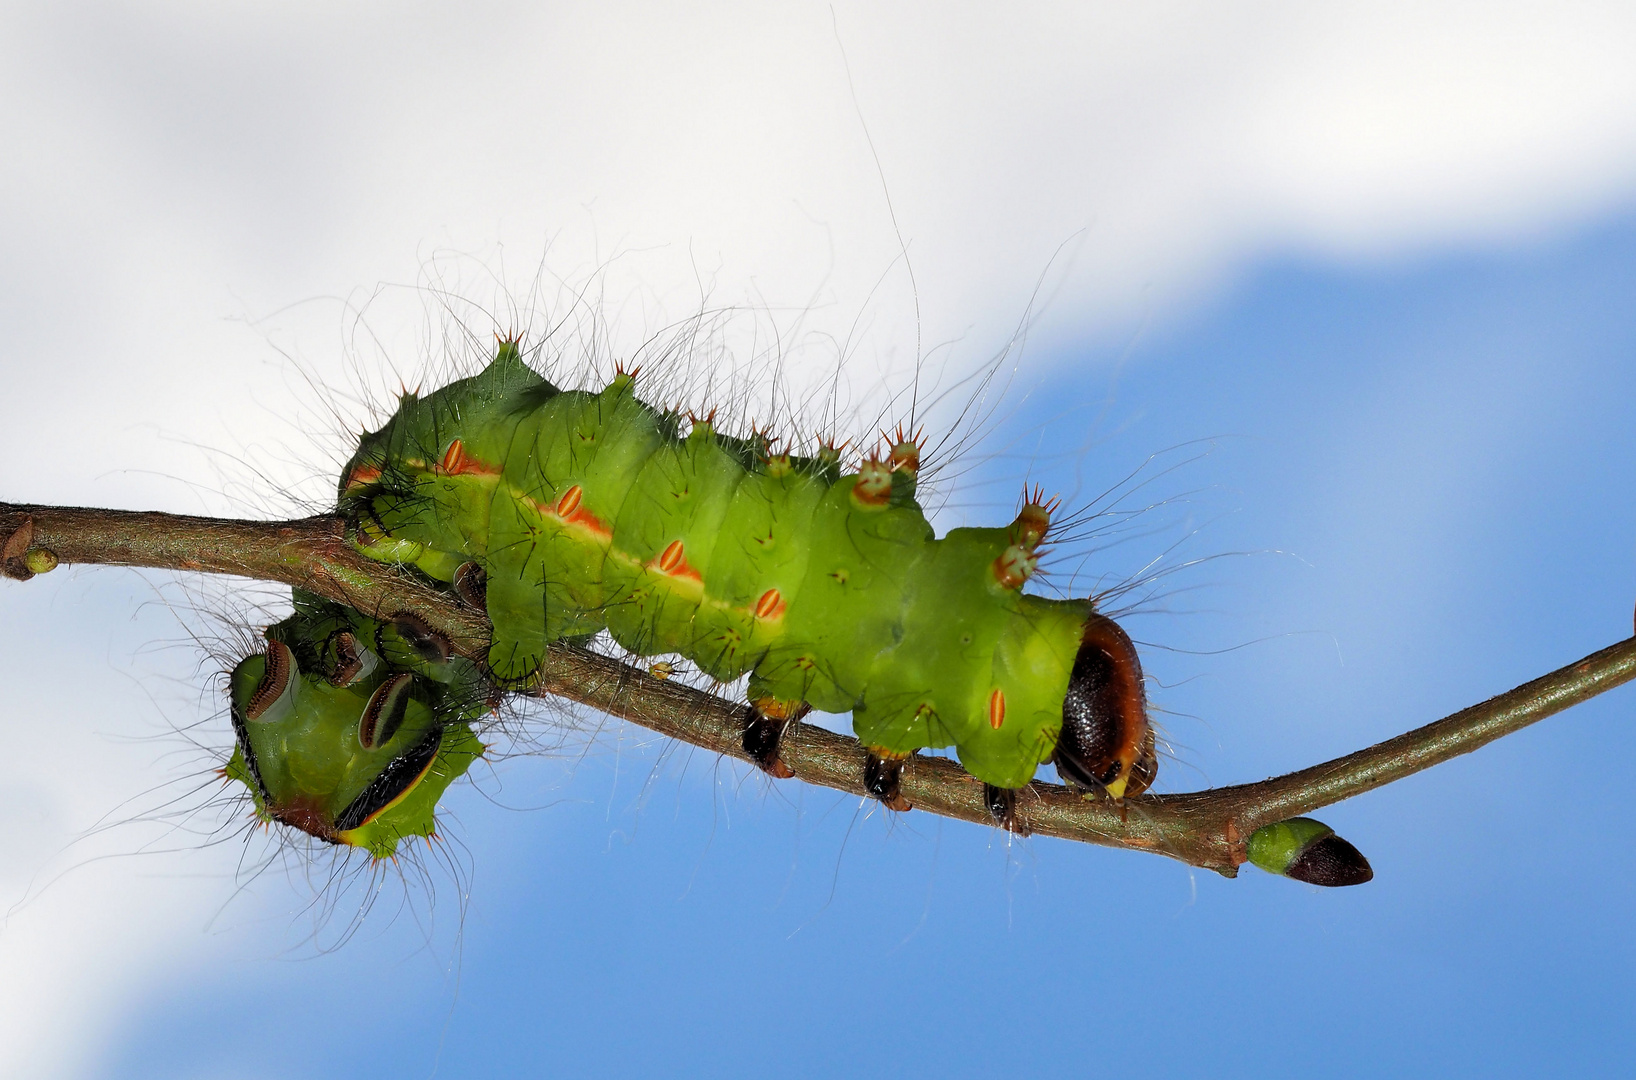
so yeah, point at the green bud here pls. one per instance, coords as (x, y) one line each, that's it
(1308, 851)
(40, 560)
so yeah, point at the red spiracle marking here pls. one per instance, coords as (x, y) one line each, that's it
(569, 502)
(456, 462)
(770, 606)
(996, 709)
(671, 557)
(569, 511)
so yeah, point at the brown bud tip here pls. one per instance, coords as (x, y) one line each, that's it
(1308, 851)
(1331, 862)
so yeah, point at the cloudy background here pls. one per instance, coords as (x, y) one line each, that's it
(1364, 274)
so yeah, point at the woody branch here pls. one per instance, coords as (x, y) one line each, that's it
(1203, 828)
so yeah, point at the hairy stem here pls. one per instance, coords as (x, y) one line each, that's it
(1203, 828)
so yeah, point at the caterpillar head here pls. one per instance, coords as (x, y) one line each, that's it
(1106, 742)
(351, 737)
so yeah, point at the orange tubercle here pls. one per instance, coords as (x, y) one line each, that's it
(905, 449)
(874, 484)
(1014, 566)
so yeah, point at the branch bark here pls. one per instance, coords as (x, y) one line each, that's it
(1205, 828)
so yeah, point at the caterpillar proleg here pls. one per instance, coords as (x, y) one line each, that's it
(564, 514)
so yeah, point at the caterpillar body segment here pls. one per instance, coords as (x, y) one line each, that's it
(587, 511)
(350, 728)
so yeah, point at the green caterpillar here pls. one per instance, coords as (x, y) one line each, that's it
(567, 513)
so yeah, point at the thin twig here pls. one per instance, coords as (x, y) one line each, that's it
(1205, 828)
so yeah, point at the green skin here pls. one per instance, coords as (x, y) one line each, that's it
(587, 512)
(302, 758)
(1274, 847)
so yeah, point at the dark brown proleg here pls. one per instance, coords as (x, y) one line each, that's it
(882, 778)
(1002, 807)
(764, 730)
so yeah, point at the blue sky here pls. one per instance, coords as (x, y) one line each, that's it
(1399, 326)
(1439, 447)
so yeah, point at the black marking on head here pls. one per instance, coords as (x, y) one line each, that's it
(275, 680)
(400, 773)
(471, 586)
(349, 661)
(418, 634)
(241, 733)
(384, 713)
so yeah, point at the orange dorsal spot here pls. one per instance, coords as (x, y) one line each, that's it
(569, 502)
(770, 606)
(996, 709)
(874, 484)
